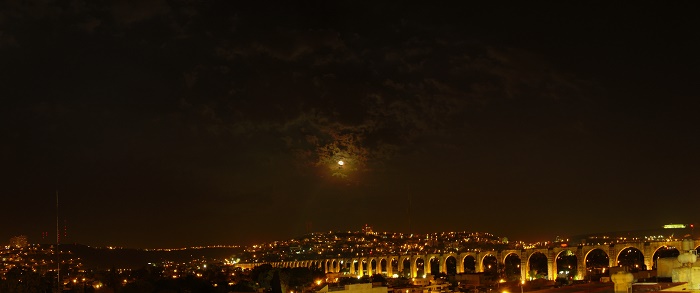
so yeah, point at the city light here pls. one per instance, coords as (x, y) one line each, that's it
(351, 248)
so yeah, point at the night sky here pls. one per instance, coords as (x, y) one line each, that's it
(185, 123)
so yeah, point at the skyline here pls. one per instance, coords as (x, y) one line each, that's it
(186, 123)
(664, 233)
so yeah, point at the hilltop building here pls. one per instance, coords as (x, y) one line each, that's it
(18, 241)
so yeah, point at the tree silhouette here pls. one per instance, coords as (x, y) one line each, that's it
(23, 279)
(276, 283)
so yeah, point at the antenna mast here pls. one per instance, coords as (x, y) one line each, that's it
(58, 251)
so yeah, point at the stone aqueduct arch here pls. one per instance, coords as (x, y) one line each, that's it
(335, 265)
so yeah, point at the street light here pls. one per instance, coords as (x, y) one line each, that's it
(340, 164)
(522, 283)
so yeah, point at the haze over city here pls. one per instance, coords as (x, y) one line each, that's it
(190, 123)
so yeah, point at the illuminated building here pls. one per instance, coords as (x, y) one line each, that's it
(18, 241)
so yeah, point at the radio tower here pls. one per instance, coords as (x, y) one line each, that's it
(58, 251)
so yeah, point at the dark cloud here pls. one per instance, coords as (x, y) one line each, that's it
(131, 12)
(359, 104)
(7, 40)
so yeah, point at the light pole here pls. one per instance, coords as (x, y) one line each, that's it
(522, 283)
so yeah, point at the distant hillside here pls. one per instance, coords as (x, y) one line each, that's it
(105, 258)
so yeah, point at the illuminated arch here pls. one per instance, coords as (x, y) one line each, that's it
(567, 252)
(432, 258)
(512, 270)
(629, 248)
(372, 266)
(406, 267)
(383, 266)
(419, 268)
(667, 251)
(464, 262)
(539, 271)
(482, 263)
(447, 268)
(391, 268)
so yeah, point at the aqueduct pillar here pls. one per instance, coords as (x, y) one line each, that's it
(523, 268)
(551, 271)
(580, 264)
(460, 264)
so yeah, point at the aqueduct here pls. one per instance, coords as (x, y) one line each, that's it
(384, 264)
